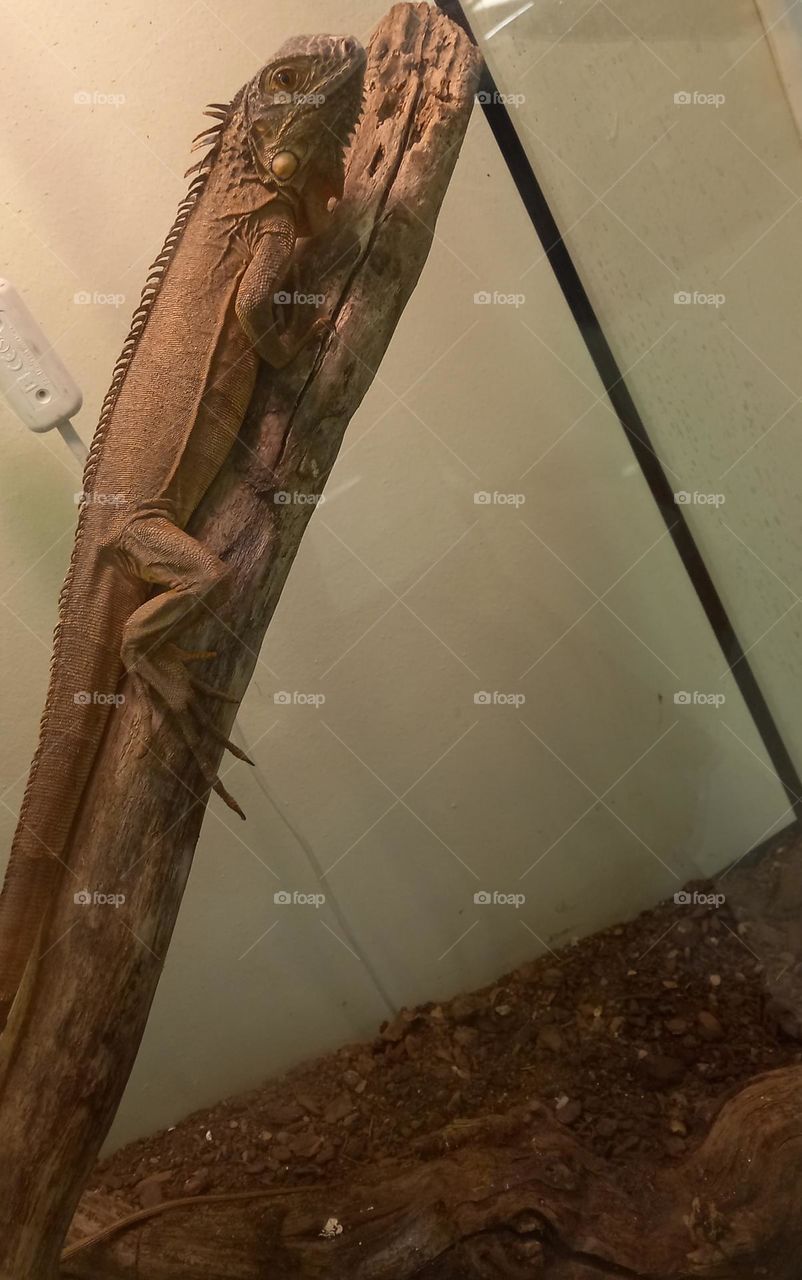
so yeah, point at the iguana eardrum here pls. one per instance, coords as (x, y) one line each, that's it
(175, 406)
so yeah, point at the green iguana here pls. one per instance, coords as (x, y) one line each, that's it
(177, 399)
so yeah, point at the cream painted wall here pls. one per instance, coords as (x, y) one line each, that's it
(594, 797)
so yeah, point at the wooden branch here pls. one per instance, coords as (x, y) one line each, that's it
(76, 1029)
(542, 1210)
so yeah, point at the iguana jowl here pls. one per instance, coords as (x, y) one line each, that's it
(176, 403)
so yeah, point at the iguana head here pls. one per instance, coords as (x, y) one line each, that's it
(300, 112)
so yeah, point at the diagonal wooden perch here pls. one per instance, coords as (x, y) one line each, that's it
(75, 1030)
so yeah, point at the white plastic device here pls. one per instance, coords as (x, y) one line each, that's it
(32, 378)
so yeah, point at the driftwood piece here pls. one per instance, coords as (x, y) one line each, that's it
(76, 1029)
(541, 1210)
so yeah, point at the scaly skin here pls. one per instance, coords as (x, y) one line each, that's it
(177, 401)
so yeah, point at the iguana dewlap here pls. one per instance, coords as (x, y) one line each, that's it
(175, 406)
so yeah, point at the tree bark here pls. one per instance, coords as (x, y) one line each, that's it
(76, 1028)
(542, 1209)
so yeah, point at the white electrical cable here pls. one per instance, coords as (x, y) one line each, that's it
(73, 441)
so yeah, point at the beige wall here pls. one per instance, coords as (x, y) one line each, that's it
(595, 796)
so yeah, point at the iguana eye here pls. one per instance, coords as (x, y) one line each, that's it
(284, 78)
(284, 164)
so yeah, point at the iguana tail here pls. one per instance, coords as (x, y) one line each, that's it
(82, 693)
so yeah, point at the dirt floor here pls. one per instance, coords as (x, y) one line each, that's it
(632, 1037)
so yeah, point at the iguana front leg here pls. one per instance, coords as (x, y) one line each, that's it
(256, 298)
(155, 550)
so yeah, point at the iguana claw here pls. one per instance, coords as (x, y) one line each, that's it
(195, 742)
(174, 690)
(211, 692)
(227, 797)
(218, 734)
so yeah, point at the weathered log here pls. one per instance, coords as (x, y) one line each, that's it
(76, 1028)
(539, 1210)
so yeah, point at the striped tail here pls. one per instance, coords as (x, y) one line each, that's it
(84, 674)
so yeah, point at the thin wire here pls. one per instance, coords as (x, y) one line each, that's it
(73, 441)
(317, 868)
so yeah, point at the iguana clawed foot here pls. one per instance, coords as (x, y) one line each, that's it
(203, 655)
(164, 684)
(193, 579)
(279, 348)
(211, 692)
